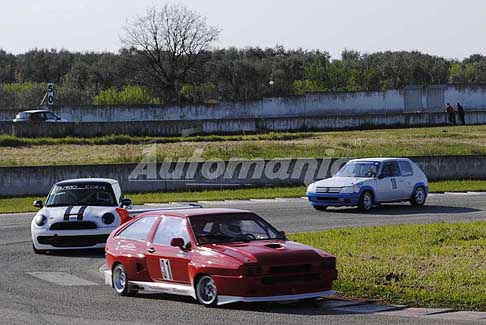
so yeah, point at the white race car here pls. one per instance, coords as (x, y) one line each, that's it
(79, 214)
(370, 181)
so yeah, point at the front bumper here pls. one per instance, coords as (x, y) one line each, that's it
(333, 199)
(45, 239)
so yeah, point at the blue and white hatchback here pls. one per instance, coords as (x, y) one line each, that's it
(367, 182)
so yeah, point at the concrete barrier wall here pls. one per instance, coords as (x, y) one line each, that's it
(312, 104)
(187, 176)
(5, 127)
(233, 126)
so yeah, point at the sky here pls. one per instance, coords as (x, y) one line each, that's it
(449, 28)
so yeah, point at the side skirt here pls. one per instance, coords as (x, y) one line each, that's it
(159, 287)
(171, 288)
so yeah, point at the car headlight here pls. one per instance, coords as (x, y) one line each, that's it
(40, 220)
(108, 218)
(350, 189)
(312, 187)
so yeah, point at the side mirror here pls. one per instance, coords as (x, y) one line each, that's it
(381, 176)
(126, 202)
(38, 204)
(282, 233)
(177, 242)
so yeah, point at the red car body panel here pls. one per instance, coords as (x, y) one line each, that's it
(258, 268)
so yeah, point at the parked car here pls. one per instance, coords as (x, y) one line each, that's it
(370, 181)
(216, 256)
(39, 115)
(79, 213)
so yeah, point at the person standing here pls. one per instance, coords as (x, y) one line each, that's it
(451, 114)
(460, 113)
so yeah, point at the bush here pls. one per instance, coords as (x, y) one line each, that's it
(197, 93)
(129, 95)
(28, 95)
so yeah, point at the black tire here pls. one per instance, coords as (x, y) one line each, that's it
(320, 207)
(418, 197)
(119, 280)
(37, 251)
(206, 291)
(366, 201)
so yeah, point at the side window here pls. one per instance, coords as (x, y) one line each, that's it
(139, 229)
(169, 228)
(406, 168)
(51, 116)
(391, 169)
(38, 117)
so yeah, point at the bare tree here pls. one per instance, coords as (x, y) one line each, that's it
(171, 39)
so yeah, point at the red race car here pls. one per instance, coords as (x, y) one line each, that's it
(217, 256)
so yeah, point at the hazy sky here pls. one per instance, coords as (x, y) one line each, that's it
(450, 28)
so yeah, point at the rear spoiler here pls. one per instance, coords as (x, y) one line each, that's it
(133, 212)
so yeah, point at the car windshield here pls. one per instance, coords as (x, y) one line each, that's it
(363, 169)
(214, 229)
(96, 194)
(22, 115)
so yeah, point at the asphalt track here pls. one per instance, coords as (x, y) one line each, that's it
(82, 298)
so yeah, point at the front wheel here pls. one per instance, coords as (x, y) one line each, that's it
(366, 201)
(206, 292)
(120, 280)
(418, 197)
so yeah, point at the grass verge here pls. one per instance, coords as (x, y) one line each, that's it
(436, 141)
(435, 265)
(24, 204)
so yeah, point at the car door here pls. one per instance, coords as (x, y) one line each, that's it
(131, 241)
(38, 117)
(407, 178)
(165, 262)
(390, 186)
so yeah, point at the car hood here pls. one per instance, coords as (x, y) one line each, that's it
(76, 213)
(342, 181)
(269, 252)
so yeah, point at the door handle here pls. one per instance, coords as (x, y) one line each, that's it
(151, 250)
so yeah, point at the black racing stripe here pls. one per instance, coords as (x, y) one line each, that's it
(81, 212)
(67, 213)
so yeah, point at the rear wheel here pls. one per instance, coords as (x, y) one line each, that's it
(366, 201)
(418, 197)
(320, 207)
(120, 280)
(206, 292)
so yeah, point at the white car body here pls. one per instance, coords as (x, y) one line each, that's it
(380, 178)
(78, 226)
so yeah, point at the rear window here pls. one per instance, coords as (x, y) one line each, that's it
(138, 230)
(406, 168)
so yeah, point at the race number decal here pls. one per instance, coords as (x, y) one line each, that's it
(393, 183)
(165, 269)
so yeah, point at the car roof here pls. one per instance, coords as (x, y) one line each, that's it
(196, 212)
(87, 180)
(382, 159)
(35, 111)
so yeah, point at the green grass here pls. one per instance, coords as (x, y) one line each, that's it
(435, 265)
(438, 141)
(13, 141)
(24, 204)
